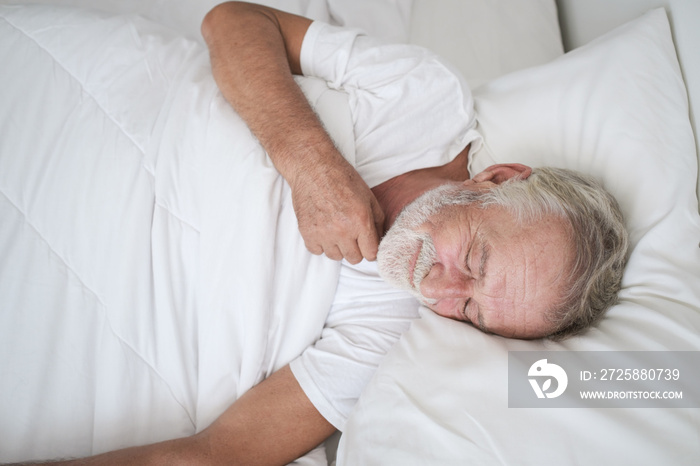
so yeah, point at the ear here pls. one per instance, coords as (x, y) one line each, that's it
(502, 172)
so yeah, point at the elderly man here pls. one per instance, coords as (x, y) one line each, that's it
(510, 250)
(340, 216)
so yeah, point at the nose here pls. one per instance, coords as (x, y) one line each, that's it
(442, 283)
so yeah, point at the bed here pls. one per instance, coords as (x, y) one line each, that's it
(611, 88)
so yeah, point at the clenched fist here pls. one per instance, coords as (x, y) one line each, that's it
(337, 213)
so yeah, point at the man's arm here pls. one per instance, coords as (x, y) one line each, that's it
(274, 423)
(254, 52)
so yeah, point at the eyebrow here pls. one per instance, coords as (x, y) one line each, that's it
(482, 271)
(484, 258)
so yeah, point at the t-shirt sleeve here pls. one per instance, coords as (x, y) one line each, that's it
(366, 319)
(410, 108)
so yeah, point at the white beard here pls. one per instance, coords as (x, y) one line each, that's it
(402, 241)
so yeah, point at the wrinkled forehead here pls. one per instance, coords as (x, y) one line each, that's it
(533, 262)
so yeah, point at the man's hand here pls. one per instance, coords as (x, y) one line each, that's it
(338, 215)
(254, 52)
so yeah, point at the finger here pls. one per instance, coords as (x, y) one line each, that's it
(333, 253)
(351, 252)
(368, 243)
(314, 248)
(379, 222)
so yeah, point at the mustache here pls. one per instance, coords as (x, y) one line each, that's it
(395, 256)
(427, 257)
(404, 239)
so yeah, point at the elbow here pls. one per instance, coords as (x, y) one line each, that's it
(222, 17)
(231, 16)
(212, 18)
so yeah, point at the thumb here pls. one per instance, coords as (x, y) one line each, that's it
(368, 241)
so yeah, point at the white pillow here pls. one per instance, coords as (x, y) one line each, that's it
(487, 39)
(617, 109)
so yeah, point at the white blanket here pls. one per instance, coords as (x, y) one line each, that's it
(144, 234)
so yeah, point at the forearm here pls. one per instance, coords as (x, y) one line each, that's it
(185, 451)
(254, 53)
(272, 424)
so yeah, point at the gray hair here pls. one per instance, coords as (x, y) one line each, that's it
(599, 238)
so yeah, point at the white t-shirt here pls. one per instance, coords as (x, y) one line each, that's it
(410, 110)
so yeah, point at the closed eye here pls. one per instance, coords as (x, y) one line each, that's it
(464, 309)
(467, 259)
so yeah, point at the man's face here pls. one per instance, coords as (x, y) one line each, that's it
(477, 265)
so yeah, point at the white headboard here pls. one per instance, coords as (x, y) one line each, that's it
(582, 21)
